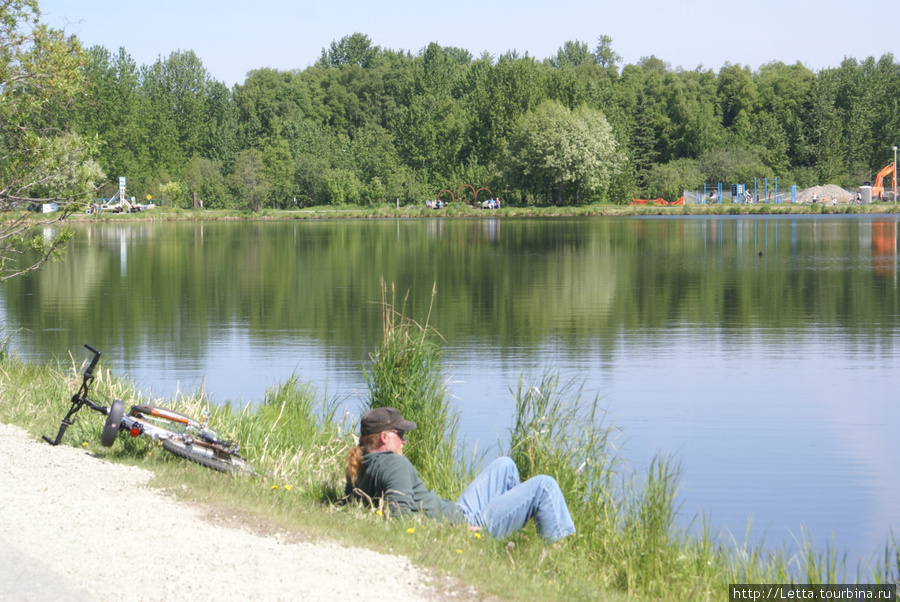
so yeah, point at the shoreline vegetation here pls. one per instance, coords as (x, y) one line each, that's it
(461, 210)
(630, 543)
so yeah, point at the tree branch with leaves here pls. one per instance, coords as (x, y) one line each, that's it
(41, 162)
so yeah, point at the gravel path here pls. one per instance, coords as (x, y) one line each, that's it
(60, 540)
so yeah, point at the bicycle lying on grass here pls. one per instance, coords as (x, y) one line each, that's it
(180, 435)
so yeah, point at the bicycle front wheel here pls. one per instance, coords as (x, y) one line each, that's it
(231, 463)
(113, 422)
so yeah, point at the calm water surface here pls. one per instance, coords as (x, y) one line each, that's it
(760, 352)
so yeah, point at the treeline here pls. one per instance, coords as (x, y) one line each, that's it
(366, 125)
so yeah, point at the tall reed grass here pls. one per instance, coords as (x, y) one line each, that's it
(406, 373)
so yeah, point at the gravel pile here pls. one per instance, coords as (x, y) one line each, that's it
(75, 527)
(826, 194)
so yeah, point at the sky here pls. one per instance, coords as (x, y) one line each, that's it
(232, 38)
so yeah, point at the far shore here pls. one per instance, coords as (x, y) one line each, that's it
(459, 210)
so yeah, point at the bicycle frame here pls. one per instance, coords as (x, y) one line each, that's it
(140, 420)
(137, 423)
(80, 399)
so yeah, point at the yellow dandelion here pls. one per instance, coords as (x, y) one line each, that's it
(458, 551)
(84, 444)
(287, 487)
(477, 535)
(379, 513)
(274, 487)
(410, 530)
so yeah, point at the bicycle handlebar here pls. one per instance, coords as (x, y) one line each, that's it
(90, 368)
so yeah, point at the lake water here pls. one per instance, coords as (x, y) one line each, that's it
(760, 352)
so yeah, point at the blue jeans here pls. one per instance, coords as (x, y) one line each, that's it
(499, 503)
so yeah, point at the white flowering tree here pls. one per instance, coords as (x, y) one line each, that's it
(552, 149)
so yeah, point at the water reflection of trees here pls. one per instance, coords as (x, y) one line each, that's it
(516, 285)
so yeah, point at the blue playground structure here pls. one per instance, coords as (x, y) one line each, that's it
(739, 194)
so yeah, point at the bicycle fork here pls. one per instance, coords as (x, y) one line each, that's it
(78, 401)
(68, 420)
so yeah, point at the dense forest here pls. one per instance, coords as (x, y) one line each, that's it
(367, 125)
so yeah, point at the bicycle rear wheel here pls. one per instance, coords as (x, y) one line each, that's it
(229, 463)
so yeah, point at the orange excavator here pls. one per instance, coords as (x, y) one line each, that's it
(878, 190)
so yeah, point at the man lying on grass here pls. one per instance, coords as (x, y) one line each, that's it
(495, 501)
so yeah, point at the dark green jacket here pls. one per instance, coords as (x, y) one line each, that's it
(394, 479)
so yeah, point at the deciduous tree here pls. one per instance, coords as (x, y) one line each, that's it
(355, 49)
(204, 177)
(276, 155)
(604, 55)
(250, 179)
(572, 54)
(40, 161)
(553, 148)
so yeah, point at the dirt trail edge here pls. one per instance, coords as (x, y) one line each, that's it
(63, 537)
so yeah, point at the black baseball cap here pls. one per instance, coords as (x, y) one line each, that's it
(383, 419)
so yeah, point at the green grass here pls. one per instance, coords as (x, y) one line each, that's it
(628, 547)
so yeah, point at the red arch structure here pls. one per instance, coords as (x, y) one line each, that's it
(459, 191)
(450, 192)
(479, 190)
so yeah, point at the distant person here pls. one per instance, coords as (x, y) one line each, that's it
(495, 500)
(814, 198)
